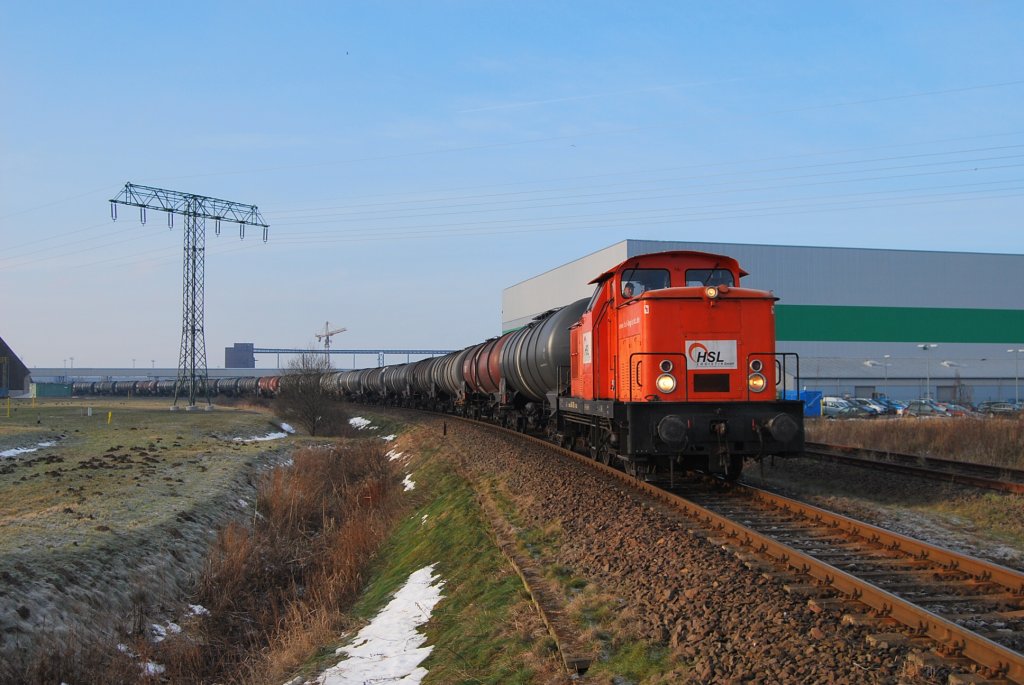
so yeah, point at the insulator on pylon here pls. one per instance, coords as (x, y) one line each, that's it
(170, 220)
(266, 233)
(216, 225)
(142, 215)
(113, 211)
(241, 231)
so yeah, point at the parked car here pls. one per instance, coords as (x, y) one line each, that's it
(958, 410)
(839, 408)
(832, 407)
(993, 409)
(891, 406)
(924, 409)
(873, 406)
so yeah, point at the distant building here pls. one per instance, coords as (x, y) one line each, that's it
(240, 356)
(13, 373)
(907, 323)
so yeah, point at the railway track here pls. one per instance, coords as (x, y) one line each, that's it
(979, 475)
(970, 610)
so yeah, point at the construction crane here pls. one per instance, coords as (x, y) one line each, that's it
(326, 337)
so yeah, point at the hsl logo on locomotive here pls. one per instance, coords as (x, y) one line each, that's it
(711, 354)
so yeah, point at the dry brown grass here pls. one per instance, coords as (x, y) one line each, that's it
(276, 590)
(275, 586)
(988, 441)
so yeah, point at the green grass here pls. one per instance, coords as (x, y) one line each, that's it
(105, 479)
(383, 424)
(472, 628)
(997, 517)
(638, 662)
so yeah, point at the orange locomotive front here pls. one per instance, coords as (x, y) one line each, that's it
(674, 362)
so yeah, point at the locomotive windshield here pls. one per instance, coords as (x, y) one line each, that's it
(709, 277)
(636, 281)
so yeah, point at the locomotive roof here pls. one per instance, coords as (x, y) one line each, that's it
(671, 253)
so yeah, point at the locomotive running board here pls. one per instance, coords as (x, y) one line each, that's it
(602, 408)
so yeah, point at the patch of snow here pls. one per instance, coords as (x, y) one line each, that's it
(151, 668)
(263, 438)
(287, 428)
(242, 504)
(25, 450)
(392, 455)
(423, 521)
(198, 610)
(159, 632)
(359, 423)
(388, 438)
(408, 483)
(390, 649)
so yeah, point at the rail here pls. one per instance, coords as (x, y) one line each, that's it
(1000, 478)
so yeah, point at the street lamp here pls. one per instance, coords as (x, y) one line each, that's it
(885, 366)
(1016, 373)
(928, 369)
(885, 388)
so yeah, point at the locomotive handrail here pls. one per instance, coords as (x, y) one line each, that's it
(780, 373)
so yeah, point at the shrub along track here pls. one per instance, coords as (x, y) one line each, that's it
(721, 621)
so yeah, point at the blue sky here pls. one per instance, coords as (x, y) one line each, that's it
(413, 159)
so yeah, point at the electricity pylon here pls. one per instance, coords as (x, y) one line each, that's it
(192, 374)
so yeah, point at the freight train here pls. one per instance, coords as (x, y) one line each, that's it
(670, 363)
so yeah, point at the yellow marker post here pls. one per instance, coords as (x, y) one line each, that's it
(110, 415)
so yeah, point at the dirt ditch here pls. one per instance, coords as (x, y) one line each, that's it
(103, 532)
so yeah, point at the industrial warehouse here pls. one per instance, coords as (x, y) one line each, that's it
(908, 324)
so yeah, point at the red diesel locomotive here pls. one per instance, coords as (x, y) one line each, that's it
(672, 361)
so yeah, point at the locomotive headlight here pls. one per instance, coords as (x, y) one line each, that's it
(711, 291)
(666, 383)
(756, 365)
(665, 365)
(756, 382)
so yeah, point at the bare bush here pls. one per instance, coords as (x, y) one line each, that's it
(303, 399)
(275, 590)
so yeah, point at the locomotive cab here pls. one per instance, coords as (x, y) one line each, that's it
(674, 361)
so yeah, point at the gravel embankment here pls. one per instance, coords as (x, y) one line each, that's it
(724, 622)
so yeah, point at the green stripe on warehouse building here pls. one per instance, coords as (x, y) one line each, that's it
(823, 323)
